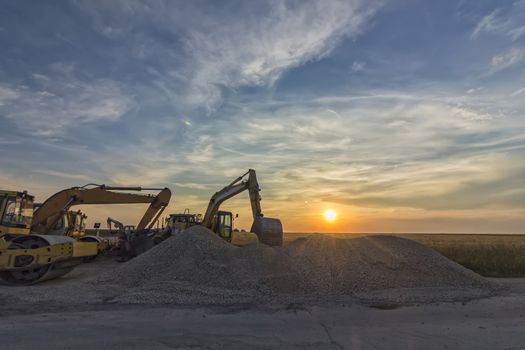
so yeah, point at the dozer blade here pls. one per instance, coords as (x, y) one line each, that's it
(268, 230)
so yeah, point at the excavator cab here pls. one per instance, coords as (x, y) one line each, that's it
(223, 225)
(16, 212)
(76, 224)
(179, 222)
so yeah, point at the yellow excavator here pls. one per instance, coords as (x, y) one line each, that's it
(55, 206)
(30, 254)
(72, 224)
(76, 227)
(269, 231)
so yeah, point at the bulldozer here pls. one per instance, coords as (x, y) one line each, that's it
(30, 253)
(269, 231)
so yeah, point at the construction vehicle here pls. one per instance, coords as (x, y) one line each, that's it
(269, 231)
(55, 206)
(30, 254)
(27, 258)
(119, 226)
(179, 222)
(122, 245)
(72, 224)
(76, 227)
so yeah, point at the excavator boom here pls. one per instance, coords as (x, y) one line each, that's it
(55, 206)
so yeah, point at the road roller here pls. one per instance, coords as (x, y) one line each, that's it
(27, 258)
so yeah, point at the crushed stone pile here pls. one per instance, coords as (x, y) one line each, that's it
(198, 267)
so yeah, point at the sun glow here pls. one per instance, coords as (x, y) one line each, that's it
(330, 215)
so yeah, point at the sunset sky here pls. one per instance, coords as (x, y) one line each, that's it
(400, 116)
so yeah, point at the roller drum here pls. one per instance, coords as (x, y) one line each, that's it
(35, 274)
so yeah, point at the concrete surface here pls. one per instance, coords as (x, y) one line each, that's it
(494, 323)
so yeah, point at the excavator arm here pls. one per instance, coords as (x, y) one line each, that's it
(55, 206)
(268, 230)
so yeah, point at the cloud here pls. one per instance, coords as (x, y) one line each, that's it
(61, 174)
(473, 90)
(412, 144)
(191, 185)
(507, 59)
(7, 94)
(256, 52)
(509, 22)
(518, 92)
(372, 149)
(50, 106)
(221, 51)
(358, 66)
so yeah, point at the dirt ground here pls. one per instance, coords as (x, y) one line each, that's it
(27, 323)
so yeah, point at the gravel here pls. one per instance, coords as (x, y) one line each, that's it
(197, 267)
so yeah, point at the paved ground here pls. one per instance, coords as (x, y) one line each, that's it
(495, 323)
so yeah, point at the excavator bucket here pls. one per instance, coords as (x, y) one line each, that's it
(268, 230)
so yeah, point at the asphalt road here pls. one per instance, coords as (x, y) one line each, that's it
(494, 323)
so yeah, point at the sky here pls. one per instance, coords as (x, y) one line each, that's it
(401, 116)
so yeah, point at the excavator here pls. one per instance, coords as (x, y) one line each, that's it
(72, 224)
(30, 254)
(54, 207)
(76, 224)
(119, 226)
(269, 231)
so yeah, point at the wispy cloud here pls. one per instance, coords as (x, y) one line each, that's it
(377, 152)
(518, 92)
(252, 46)
(189, 95)
(7, 94)
(507, 59)
(358, 66)
(509, 22)
(190, 185)
(246, 53)
(62, 174)
(49, 106)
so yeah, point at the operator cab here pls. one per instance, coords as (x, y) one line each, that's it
(179, 222)
(77, 224)
(129, 229)
(16, 212)
(223, 224)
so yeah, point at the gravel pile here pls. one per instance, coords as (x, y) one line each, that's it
(197, 267)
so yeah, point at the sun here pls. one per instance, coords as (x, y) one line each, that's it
(330, 215)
